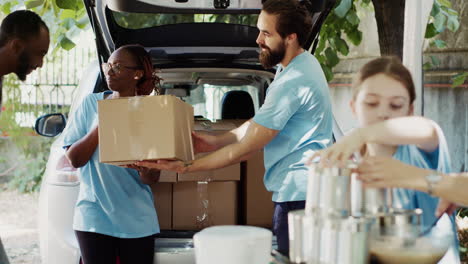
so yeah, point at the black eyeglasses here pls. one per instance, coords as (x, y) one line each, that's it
(116, 67)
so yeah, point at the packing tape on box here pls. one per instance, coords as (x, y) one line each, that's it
(203, 218)
(134, 114)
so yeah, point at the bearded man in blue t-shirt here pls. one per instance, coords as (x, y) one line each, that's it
(294, 121)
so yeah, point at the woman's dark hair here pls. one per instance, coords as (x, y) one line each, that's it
(391, 67)
(292, 17)
(149, 81)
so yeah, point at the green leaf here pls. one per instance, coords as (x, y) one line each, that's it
(430, 31)
(452, 23)
(328, 72)
(446, 3)
(30, 4)
(6, 8)
(352, 18)
(459, 79)
(321, 45)
(67, 13)
(427, 66)
(343, 8)
(341, 46)
(438, 43)
(366, 2)
(435, 9)
(439, 22)
(435, 60)
(65, 43)
(332, 57)
(355, 36)
(67, 4)
(82, 22)
(68, 23)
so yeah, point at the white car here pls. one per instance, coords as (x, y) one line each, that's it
(205, 49)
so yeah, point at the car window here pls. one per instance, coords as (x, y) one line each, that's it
(139, 20)
(207, 99)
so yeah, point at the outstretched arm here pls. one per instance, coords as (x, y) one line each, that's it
(415, 130)
(380, 172)
(255, 138)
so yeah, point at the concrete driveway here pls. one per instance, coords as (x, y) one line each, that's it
(18, 226)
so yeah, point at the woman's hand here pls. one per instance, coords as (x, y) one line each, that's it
(203, 142)
(445, 206)
(381, 172)
(168, 165)
(340, 152)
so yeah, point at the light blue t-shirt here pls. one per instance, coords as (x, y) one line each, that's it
(112, 200)
(298, 105)
(410, 199)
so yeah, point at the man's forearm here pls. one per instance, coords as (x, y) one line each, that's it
(233, 136)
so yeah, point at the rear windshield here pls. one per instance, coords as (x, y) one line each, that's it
(142, 20)
(207, 100)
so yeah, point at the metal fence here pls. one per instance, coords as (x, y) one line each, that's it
(49, 89)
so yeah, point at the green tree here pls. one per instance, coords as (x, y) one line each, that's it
(342, 28)
(65, 18)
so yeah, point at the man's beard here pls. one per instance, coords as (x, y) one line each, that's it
(24, 64)
(270, 57)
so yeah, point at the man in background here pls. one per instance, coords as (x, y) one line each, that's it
(24, 41)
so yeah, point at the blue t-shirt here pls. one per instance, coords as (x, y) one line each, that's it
(410, 199)
(112, 200)
(298, 105)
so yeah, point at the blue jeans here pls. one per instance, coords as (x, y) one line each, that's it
(280, 223)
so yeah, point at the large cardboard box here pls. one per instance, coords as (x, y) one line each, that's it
(256, 200)
(162, 193)
(199, 205)
(145, 128)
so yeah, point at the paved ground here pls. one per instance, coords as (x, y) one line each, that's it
(18, 226)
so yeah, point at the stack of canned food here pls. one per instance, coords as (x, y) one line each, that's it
(339, 216)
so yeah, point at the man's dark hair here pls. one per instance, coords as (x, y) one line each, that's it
(21, 24)
(293, 17)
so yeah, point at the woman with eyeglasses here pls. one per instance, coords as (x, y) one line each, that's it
(114, 215)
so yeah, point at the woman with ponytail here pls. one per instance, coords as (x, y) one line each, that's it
(114, 215)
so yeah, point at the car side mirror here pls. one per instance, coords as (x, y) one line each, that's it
(50, 125)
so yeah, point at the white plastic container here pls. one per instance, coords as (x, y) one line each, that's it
(233, 245)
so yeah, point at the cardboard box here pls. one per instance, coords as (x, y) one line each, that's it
(144, 128)
(162, 193)
(188, 205)
(257, 205)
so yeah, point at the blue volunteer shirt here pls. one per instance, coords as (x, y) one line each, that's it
(410, 199)
(298, 105)
(112, 200)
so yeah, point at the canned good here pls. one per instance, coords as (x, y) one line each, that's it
(377, 200)
(303, 236)
(353, 241)
(398, 222)
(329, 191)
